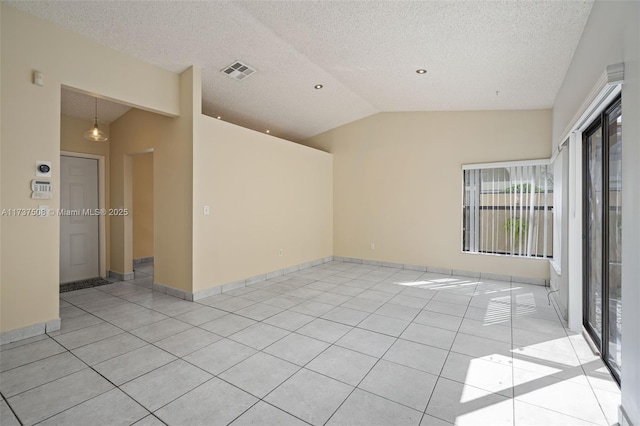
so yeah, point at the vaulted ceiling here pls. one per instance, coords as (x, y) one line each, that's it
(479, 55)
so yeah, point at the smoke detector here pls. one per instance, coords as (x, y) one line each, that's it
(238, 71)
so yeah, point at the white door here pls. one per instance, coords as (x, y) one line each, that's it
(79, 240)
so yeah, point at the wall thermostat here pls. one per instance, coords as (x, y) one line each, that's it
(43, 168)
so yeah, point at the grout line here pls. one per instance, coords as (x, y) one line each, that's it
(119, 387)
(151, 415)
(4, 399)
(323, 351)
(47, 382)
(94, 370)
(581, 364)
(447, 358)
(304, 277)
(372, 367)
(34, 361)
(368, 372)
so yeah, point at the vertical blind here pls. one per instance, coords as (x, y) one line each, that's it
(508, 208)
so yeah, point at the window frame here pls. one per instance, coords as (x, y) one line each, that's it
(551, 233)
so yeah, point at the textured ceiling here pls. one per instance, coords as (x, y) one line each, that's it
(478, 54)
(83, 106)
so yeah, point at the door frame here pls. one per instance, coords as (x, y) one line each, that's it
(606, 89)
(102, 227)
(602, 343)
(587, 262)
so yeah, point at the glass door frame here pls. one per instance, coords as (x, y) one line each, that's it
(596, 335)
(602, 343)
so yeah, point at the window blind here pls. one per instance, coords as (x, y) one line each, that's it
(508, 209)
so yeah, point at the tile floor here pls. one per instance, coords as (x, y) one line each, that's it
(336, 344)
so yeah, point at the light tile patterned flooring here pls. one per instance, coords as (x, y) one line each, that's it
(336, 344)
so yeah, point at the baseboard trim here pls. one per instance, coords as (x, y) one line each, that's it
(120, 276)
(623, 418)
(255, 280)
(251, 281)
(446, 271)
(29, 331)
(562, 313)
(143, 260)
(171, 291)
(53, 325)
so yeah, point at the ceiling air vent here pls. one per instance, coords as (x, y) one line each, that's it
(238, 71)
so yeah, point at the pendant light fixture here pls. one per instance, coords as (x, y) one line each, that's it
(94, 133)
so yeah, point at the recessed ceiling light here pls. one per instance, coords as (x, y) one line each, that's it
(421, 71)
(219, 118)
(318, 86)
(268, 131)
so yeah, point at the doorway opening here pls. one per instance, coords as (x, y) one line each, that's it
(82, 227)
(142, 212)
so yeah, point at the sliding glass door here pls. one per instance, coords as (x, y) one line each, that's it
(603, 234)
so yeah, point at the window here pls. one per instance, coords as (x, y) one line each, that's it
(508, 209)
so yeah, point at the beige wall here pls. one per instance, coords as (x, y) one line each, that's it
(142, 212)
(265, 194)
(30, 131)
(398, 183)
(72, 140)
(170, 139)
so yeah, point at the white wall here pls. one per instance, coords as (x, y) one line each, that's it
(611, 36)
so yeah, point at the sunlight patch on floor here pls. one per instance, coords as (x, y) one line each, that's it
(498, 311)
